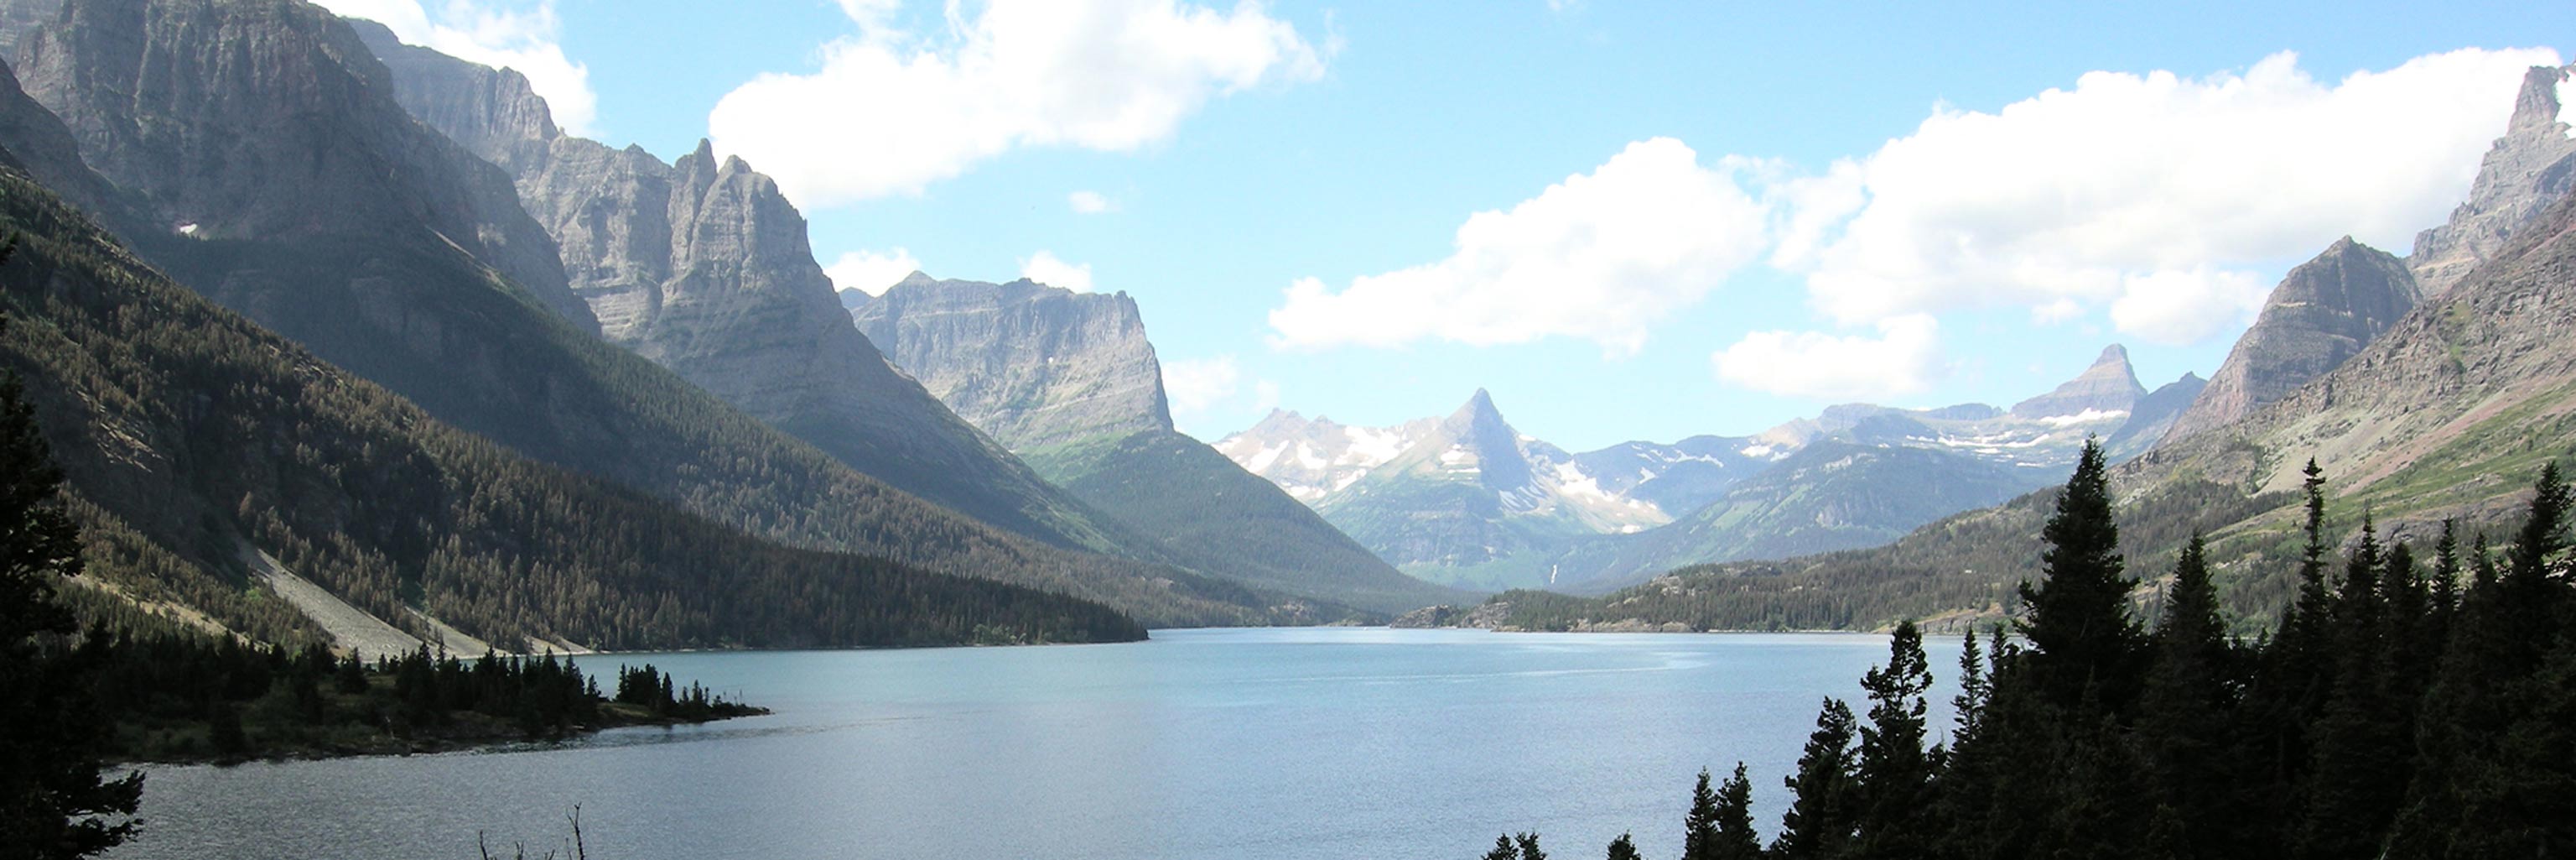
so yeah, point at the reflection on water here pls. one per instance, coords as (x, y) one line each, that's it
(1323, 743)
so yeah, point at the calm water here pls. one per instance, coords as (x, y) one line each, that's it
(1312, 743)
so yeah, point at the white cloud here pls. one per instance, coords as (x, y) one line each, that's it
(2141, 192)
(890, 112)
(1090, 202)
(513, 34)
(2187, 306)
(1194, 384)
(1903, 359)
(1044, 268)
(1600, 256)
(871, 272)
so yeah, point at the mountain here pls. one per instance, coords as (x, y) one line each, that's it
(2108, 386)
(2448, 414)
(1473, 503)
(703, 266)
(2321, 314)
(1035, 366)
(2530, 167)
(1070, 382)
(2153, 415)
(1683, 476)
(1830, 495)
(283, 181)
(223, 476)
(1314, 458)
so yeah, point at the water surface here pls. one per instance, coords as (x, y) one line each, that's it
(1270, 743)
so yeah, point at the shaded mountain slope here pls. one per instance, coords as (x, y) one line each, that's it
(188, 434)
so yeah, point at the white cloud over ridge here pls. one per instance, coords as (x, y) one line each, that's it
(2162, 203)
(498, 33)
(871, 272)
(1904, 358)
(890, 112)
(1043, 267)
(1599, 256)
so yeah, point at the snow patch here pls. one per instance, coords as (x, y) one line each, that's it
(2085, 417)
(1758, 450)
(1269, 454)
(1571, 479)
(1369, 448)
(1306, 457)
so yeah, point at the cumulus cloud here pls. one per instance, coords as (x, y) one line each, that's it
(512, 34)
(1044, 268)
(1600, 256)
(1090, 202)
(1904, 358)
(2143, 191)
(871, 272)
(891, 111)
(1194, 384)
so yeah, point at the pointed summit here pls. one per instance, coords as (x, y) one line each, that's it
(2107, 386)
(2531, 166)
(2322, 313)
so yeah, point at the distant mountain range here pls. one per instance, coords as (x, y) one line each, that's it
(1468, 500)
(2420, 402)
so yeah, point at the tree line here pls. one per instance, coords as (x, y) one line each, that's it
(2411, 703)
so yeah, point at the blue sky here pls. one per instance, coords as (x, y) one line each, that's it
(1707, 218)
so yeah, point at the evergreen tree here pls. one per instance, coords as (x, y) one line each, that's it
(1820, 817)
(1529, 846)
(1504, 849)
(1624, 848)
(2084, 644)
(1892, 795)
(1699, 827)
(1736, 839)
(2184, 715)
(54, 802)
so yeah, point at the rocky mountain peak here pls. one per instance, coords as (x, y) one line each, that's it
(2108, 386)
(2527, 169)
(1033, 365)
(2322, 313)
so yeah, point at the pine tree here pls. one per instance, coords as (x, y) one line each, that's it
(1624, 848)
(54, 802)
(2084, 644)
(1699, 827)
(1892, 796)
(1504, 849)
(1820, 820)
(1529, 846)
(1736, 839)
(2185, 711)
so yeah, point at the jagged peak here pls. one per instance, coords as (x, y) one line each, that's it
(2117, 355)
(2536, 107)
(917, 279)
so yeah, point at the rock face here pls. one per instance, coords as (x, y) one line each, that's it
(2154, 414)
(268, 120)
(1313, 458)
(2529, 168)
(20, 17)
(1033, 365)
(2106, 387)
(2322, 313)
(703, 266)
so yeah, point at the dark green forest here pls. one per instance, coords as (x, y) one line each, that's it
(189, 435)
(2413, 702)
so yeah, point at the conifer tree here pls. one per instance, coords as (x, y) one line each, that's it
(1504, 849)
(2083, 642)
(1624, 848)
(2185, 712)
(1529, 846)
(1699, 827)
(1819, 821)
(1736, 839)
(1893, 790)
(54, 800)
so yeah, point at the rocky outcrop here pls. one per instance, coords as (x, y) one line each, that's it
(269, 120)
(2322, 313)
(20, 17)
(2529, 168)
(703, 266)
(1033, 365)
(2108, 386)
(45, 149)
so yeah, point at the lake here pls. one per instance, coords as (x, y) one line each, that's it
(1252, 743)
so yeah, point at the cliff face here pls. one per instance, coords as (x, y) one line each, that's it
(2529, 168)
(1033, 365)
(2322, 313)
(703, 266)
(2106, 387)
(268, 120)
